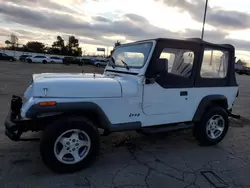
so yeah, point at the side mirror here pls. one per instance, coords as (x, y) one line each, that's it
(161, 66)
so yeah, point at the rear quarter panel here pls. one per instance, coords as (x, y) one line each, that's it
(195, 95)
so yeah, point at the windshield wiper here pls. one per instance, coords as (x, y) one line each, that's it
(126, 65)
(112, 62)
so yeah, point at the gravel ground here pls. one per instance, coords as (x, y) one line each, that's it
(171, 159)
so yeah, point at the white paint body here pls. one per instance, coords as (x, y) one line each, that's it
(35, 59)
(57, 60)
(100, 62)
(119, 94)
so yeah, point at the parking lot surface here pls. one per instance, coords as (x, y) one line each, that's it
(165, 160)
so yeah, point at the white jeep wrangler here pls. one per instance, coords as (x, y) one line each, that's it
(147, 86)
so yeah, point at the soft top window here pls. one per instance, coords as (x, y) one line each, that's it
(180, 61)
(214, 63)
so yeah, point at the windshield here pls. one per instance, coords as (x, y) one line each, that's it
(134, 55)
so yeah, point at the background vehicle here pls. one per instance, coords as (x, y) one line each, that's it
(23, 57)
(241, 69)
(158, 85)
(38, 59)
(72, 60)
(101, 63)
(87, 61)
(4, 56)
(55, 59)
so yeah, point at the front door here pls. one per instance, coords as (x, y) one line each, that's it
(166, 100)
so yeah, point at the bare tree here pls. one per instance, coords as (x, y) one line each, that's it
(13, 40)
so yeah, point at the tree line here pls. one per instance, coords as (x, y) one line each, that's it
(71, 48)
(59, 47)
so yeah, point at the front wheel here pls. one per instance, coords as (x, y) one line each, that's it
(29, 61)
(44, 62)
(213, 126)
(69, 145)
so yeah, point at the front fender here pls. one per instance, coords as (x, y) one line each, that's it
(68, 108)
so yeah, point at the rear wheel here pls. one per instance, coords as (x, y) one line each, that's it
(213, 126)
(68, 145)
(98, 65)
(11, 59)
(44, 62)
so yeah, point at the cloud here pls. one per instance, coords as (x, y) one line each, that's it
(49, 4)
(131, 25)
(239, 44)
(44, 19)
(136, 18)
(233, 20)
(99, 30)
(101, 19)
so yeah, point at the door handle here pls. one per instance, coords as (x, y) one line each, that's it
(183, 93)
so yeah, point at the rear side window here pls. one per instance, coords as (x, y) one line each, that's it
(214, 64)
(180, 62)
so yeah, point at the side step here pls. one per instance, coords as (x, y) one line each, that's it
(164, 128)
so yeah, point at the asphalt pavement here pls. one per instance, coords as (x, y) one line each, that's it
(168, 160)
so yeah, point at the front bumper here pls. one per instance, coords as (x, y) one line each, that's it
(15, 125)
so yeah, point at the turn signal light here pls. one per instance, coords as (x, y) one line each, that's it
(47, 103)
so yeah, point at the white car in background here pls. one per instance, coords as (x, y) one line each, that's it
(101, 62)
(38, 59)
(55, 59)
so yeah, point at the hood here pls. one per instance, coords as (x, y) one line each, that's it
(73, 86)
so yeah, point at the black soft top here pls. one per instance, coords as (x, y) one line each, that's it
(191, 41)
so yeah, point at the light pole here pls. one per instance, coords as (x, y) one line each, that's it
(204, 20)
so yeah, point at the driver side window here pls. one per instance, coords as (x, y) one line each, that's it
(180, 62)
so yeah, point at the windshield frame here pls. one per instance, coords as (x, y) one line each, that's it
(133, 44)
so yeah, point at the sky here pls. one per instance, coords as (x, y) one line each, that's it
(99, 23)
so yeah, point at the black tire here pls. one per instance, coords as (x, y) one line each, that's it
(98, 65)
(80, 64)
(54, 130)
(29, 61)
(44, 62)
(11, 59)
(200, 128)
